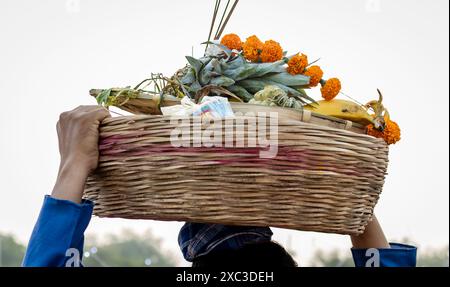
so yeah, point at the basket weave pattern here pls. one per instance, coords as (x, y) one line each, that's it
(322, 178)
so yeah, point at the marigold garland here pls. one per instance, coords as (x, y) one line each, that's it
(252, 48)
(315, 74)
(390, 134)
(297, 64)
(232, 41)
(271, 52)
(330, 89)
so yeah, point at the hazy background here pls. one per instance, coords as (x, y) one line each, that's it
(53, 51)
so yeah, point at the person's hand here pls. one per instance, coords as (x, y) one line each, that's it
(78, 147)
(372, 237)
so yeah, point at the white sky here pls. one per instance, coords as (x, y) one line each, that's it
(52, 52)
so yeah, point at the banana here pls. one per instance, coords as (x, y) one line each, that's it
(342, 109)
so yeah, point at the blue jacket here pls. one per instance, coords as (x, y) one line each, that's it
(58, 237)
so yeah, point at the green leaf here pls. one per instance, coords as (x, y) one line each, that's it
(204, 77)
(222, 81)
(216, 66)
(209, 66)
(305, 95)
(285, 88)
(205, 60)
(240, 92)
(299, 94)
(225, 49)
(267, 68)
(236, 63)
(189, 78)
(195, 87)
(240, 73)
(224, 66)
(241, 70)
(288, 79)
(195, 64)
(252, 86)
(102, 98)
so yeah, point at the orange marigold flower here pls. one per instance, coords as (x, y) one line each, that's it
(372, 131)
(297, 64)
(315, 75)
(271, 52)
(252, 48)
(390, 134)
(232, 41)
(330, 89)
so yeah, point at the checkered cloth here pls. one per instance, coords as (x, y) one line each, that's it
(197, 239)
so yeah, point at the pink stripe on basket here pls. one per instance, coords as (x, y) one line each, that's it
(287, 157)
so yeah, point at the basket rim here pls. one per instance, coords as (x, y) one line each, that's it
(304, 115)
(288, 114)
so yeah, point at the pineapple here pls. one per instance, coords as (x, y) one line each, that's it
(229, 70)
(223, 72)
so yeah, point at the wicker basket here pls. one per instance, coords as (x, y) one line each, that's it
(327, 175)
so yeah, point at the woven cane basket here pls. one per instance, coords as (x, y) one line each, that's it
(327, 174)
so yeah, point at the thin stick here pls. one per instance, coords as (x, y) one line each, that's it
(216, 8)
(313, 62)
(138, 85)
(221, 20)
(351, 98)
(119, 114)
(228, 18)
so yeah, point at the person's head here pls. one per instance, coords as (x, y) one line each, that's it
(263, 254)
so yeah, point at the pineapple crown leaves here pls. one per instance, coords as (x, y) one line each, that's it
(225, 52)
(230, 70)
(195, 64)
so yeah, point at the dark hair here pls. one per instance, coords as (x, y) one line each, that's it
(263, 254)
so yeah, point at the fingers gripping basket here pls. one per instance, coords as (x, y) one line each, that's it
(326, 176)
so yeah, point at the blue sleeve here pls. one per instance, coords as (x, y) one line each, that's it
(399, 255)
(58, 234)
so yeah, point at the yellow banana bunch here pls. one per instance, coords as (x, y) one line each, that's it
(343, 109)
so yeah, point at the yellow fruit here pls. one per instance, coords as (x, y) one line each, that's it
(342, 109)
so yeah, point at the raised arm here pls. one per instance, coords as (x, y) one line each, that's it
(58, 235)
(78, 147)
(373, 236)
(372, 249)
